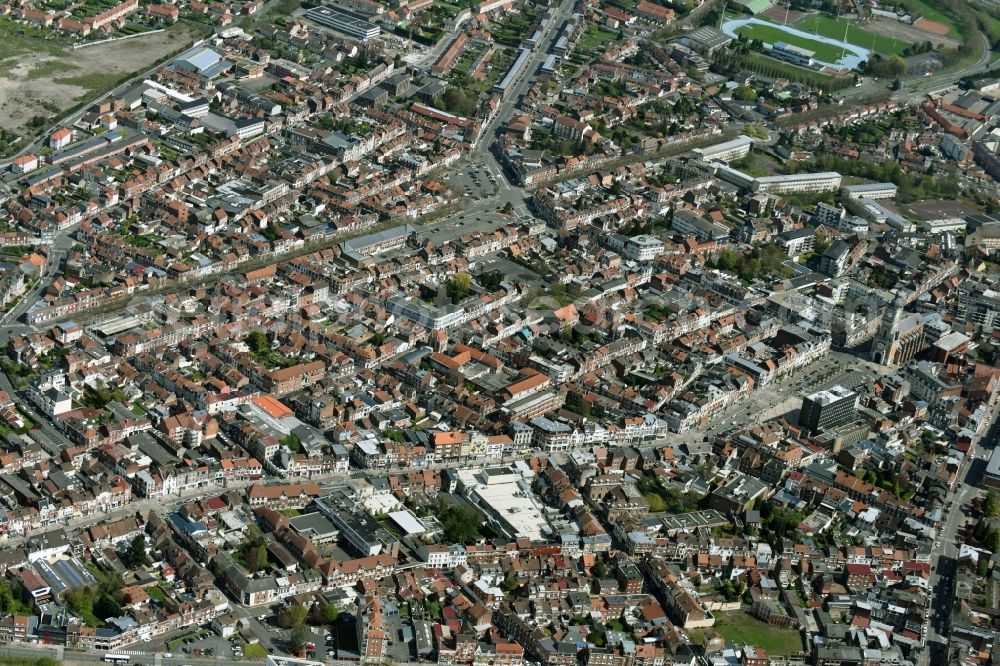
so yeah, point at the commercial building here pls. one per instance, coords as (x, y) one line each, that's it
(991, 477)
(376, 243)
(826, 181)
(506, 499)
(828, 409)
(514, 71)
(638, 248)
(352, 25)
(871, 191)
(725, 151)
(793, 54)
(707, 39)
(756, 6)
(689, 224)
(425, 314)
(738, 494)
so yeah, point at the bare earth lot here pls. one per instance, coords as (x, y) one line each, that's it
(45, 79)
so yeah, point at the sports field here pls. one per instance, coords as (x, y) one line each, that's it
(930, 12)
(834, 29)
(774, 34)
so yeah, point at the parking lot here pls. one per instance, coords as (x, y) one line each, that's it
(784, 397)
(475, 182)
(476, 219)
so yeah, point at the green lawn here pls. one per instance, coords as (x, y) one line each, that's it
(95, 83)
(16, 39)
(774, 34)
(596, 38)
(156, 593)
(834, 29)
(740, 628)
(254, 651)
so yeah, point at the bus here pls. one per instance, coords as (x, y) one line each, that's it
(115, 658)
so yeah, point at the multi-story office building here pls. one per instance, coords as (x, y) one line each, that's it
(828, 409)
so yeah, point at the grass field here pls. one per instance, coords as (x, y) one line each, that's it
(92, 84)
(16, 40)
(740, 628)
(834, 29)
(596, 38)
(932, 13)
(773, 35)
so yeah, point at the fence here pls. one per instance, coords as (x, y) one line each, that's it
(116, 39)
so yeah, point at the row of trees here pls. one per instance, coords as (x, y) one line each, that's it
(731, 62)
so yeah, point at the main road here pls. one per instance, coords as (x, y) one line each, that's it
(944, 552)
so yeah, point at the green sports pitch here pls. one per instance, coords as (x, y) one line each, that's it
(774, 34)
(834, 29)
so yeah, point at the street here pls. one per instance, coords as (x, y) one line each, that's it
(944, 552)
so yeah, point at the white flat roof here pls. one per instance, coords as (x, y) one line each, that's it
(510, 500)
(407, 522)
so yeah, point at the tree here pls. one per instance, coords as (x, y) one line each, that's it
(253, 548)
(460, 102)
(330, 614)
(8, 604)
(80, 600)
(459, 286)
(461, 522)
(297, 615)
(822, 244)
(253, 536)
(991, 505)
(135, 555)
(744, 93)
(292, 441)
(600, 569)
(257, 558)
(297, 639)
(257, 341)
(416, 23)
(107, 606)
